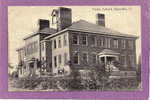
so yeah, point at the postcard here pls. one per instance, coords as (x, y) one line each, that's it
(74, 51)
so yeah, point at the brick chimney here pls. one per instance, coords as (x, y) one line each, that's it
(43, 23)
(63, 16)
(100, 19)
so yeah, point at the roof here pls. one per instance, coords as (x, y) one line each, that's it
(47, 30)
(107, 52)
(85, 26)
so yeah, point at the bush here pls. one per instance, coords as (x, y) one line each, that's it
(28, 82)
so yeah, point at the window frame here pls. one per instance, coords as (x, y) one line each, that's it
(123, 43)
(95, 40)
(55, 44)
(55, 61)
(86, 37)
(125, 58)
(59, 59)
(117, 43)
(59, 42)
(101, 42)
(129, 44)
(86, 57)
(76, 52)
(77, 39)
(93, 53)
(65, 58)
(65, 39)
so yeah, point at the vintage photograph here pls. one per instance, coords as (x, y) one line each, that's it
(74, 48)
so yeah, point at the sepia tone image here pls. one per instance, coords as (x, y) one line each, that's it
(74, 48)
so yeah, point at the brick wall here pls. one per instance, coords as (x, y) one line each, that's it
(97, 49)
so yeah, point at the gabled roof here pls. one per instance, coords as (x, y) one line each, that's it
(48, 31)
(85, 26)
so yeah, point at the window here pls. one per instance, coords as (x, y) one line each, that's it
(42, 46)
(93, 40)
(130, 43)
(75, 39)
(29, 49)
(84, 39)
(59, 42)
(123, 44)
(94, 58)
(101, 41)
(59, 57)
(108, 42)
(65, 40)
(85, 58)
(35, 46)
(123, 60)
(76, 58)
(115, 43)
(54, 44)
(55, 61)
(65, 58)
(131, 61)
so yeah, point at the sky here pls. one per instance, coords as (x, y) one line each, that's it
(23, 20)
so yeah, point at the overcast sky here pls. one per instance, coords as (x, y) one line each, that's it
(22, 21)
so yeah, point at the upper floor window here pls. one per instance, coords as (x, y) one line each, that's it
(54, 44)
(108, 42)
(130, 43)
(85, 58)
(84, 39)
(76, 58)
(65, 40)
(75, 39)
(115, 43)
(59, 42)
(93, 41)
(123, 44)
(101, 41)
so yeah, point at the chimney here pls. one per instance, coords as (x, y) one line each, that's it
(63, 16)
(100, 19)
(43, 23)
